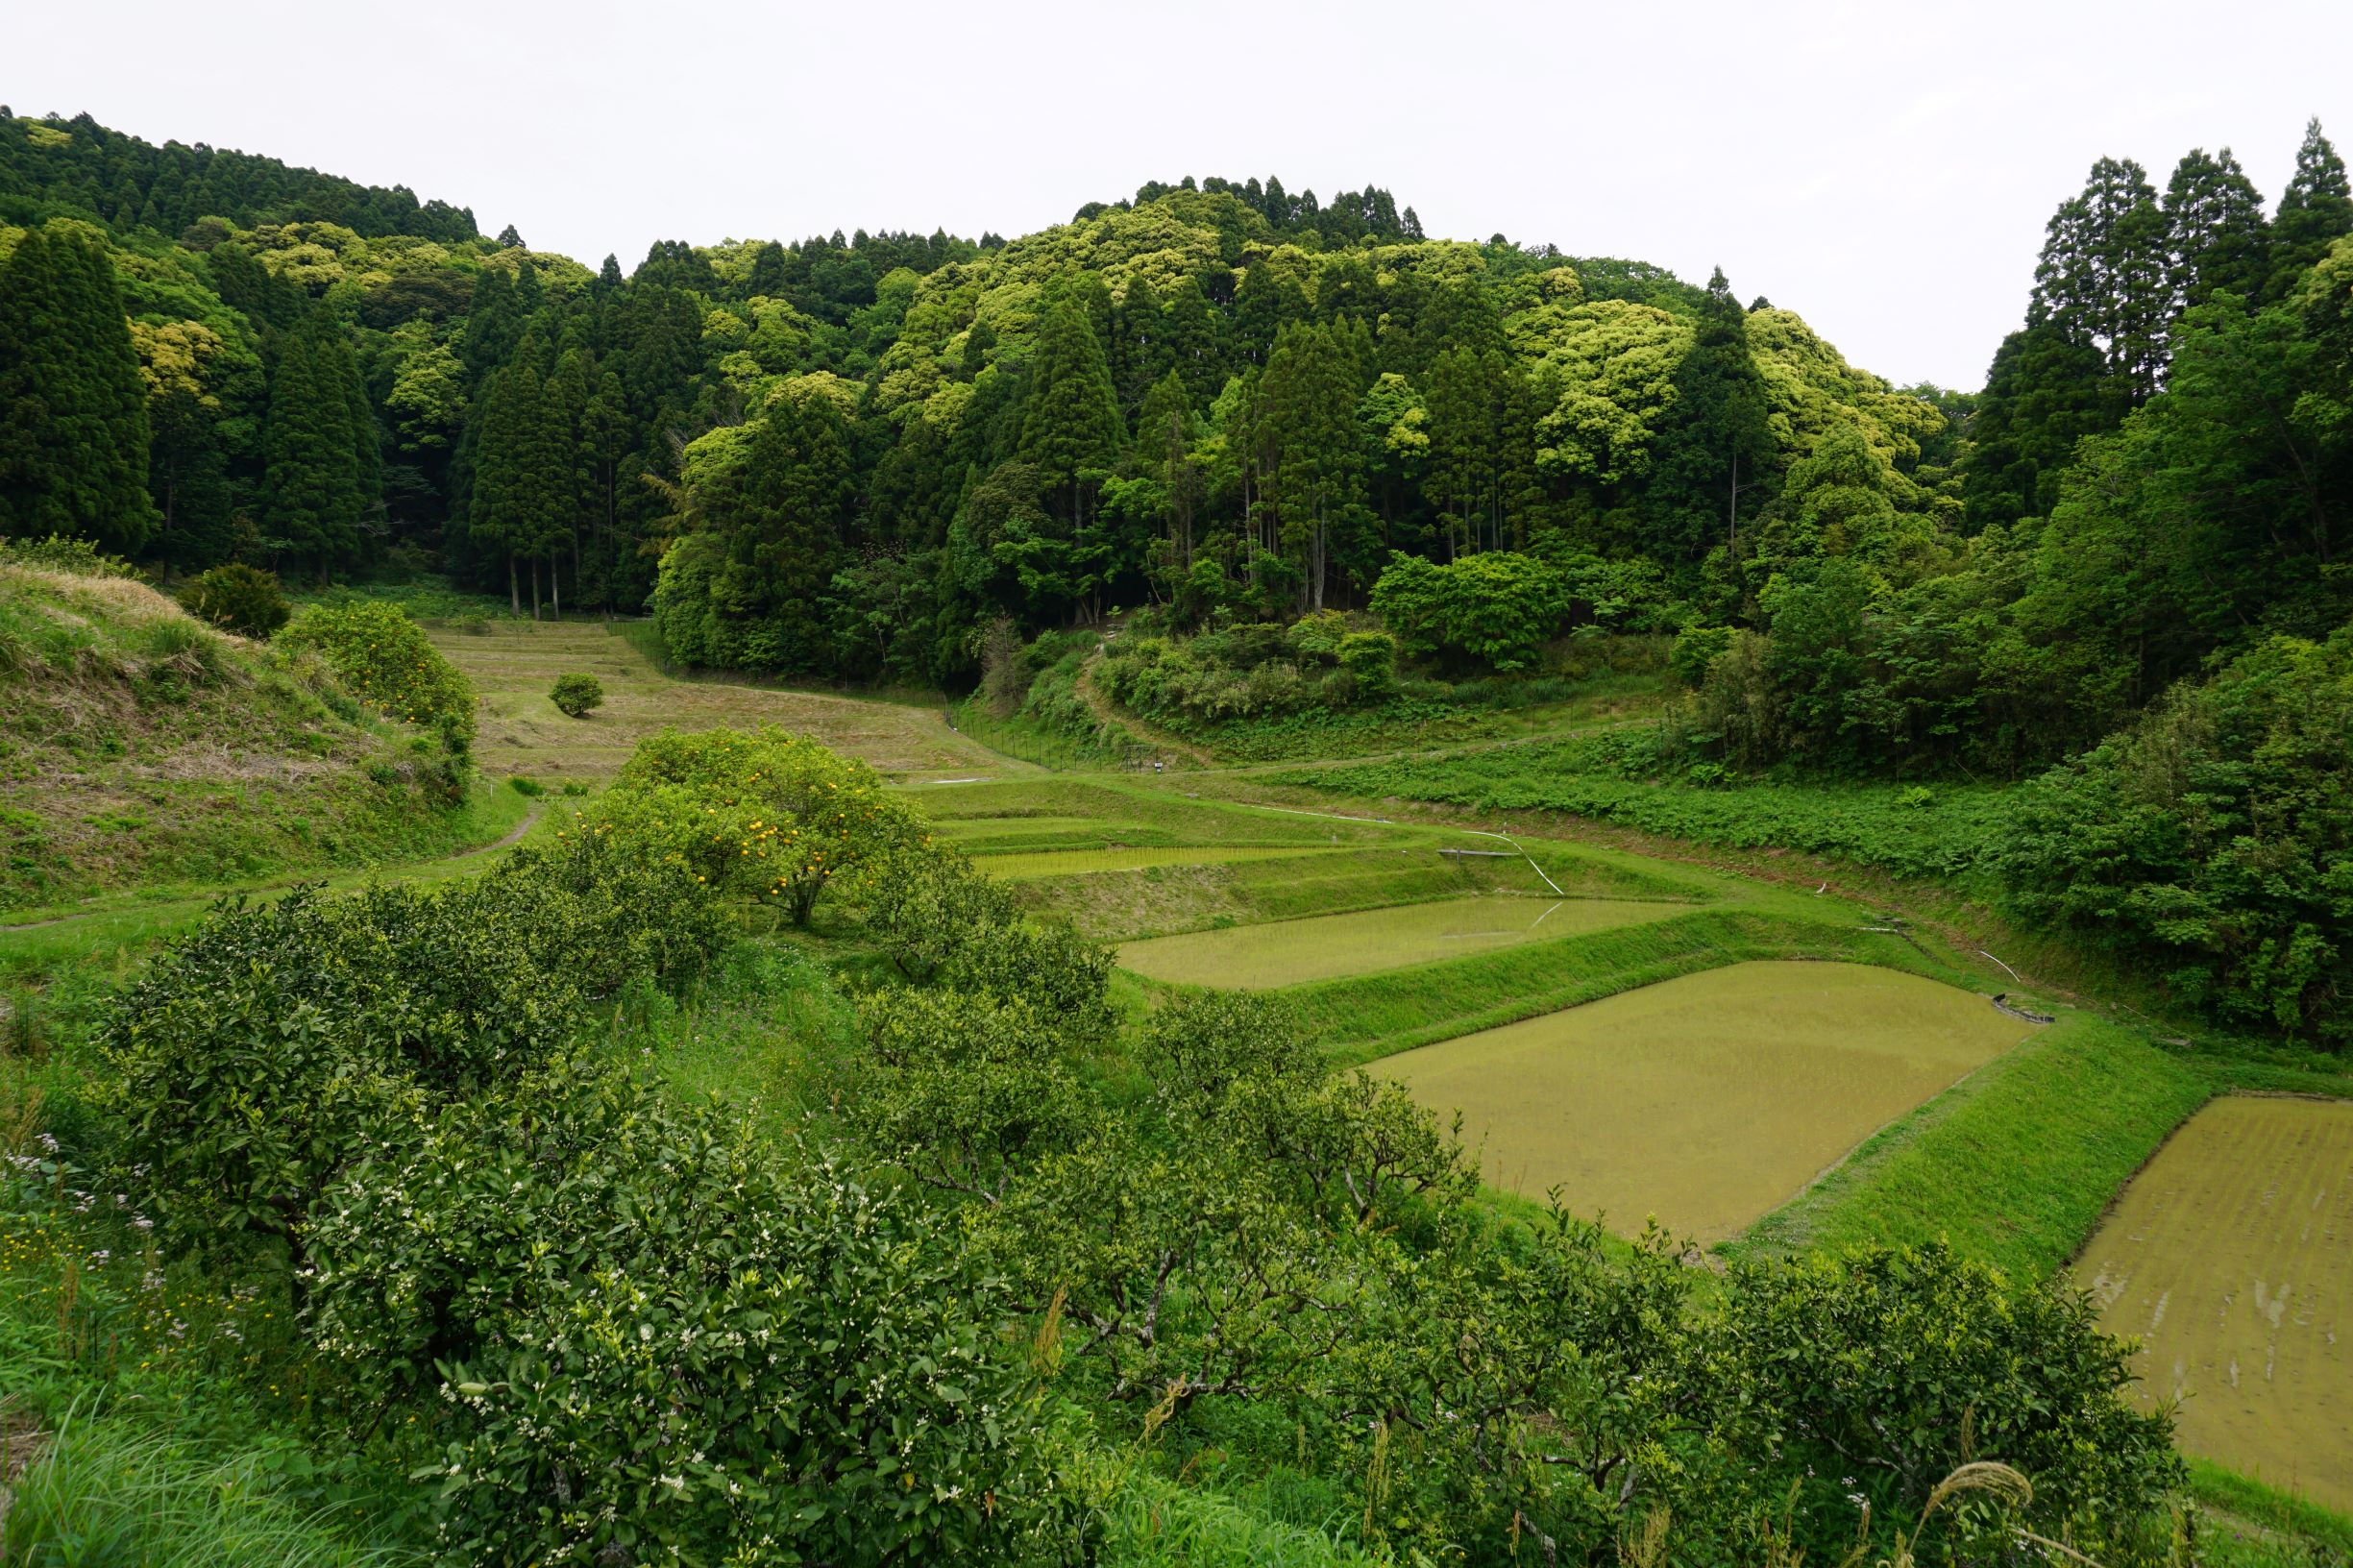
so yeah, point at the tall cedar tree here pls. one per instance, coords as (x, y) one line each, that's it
(2216, 231)
(73, 407)
(1712, 458)
(1310, 394)
(2315, 211)
(521, 503)
(1071, 421)
(311, 447)
(793, 511)
(2104, 274)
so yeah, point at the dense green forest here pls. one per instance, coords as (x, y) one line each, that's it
(846, 456)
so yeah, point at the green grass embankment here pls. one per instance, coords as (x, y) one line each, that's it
(2013, 1166)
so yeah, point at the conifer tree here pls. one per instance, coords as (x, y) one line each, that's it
(2045, 392)
(1190, 341)
(1070, 422)
(2315, 212)
(2216, 231)
(73, 409)
(1713, 454)
(2104, 276)
(310, 451)
(1316, 484)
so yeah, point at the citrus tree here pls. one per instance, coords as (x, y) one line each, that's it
(383, 658)
(765, 815)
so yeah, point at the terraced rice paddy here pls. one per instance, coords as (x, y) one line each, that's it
(1020, 867)
(2230, 1256)
(513, 664)
(1327, 947)
(1709, 1100)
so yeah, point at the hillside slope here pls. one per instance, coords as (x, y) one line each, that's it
(140, 747)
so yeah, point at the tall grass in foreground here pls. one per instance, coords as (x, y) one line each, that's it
(101, 1494)
(1153, 1523)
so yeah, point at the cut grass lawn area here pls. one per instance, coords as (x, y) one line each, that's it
(1018, 867)
(1323, 947)
(2230, 1258)
(513, 664)
(1705, 1100)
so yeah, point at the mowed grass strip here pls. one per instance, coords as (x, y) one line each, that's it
(2231, 1258)
(1707, 1100)
(513, 664)
(1368, 1016)
(1020, 867)
(2015, 1165)
(1323, 947)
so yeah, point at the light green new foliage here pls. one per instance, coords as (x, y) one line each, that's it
(384, 659)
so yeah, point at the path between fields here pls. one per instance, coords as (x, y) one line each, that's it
(530, 820)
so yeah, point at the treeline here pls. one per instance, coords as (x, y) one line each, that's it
(848, 457)
(81, 165)
(1217, 394)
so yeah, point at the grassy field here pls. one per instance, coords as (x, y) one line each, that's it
(513, 663)
(1326, 946)
(2231, 1258)
(1910, 830)
(1708, 1100)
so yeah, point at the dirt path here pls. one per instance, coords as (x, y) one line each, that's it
(1150, 734)
(530, 820)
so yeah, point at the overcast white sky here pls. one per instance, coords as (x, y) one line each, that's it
(1883, 168)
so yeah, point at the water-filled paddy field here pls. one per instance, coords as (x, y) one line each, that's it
(1326, 946)
(2230, 1256)
(1708, 1101)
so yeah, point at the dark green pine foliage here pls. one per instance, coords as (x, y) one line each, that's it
(494, 324)
(2315, 212)
(310, 450)
(2046, 392)
(521, 503)
(2217, 234)
(1189, 342)
(1070, 422)
(1317, 480)
(1712, 460)
(73, 407)
(1268, 300)
(2104, 276)
(767, 272)
(789, 518)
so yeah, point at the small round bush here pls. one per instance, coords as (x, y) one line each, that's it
(239, 598)
(576, 694)
(384, 659)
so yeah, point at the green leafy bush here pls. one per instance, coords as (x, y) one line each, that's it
(630, 1333)
(75, 556)
(385, 660)
(576, 692)
(239, 598)
(264, 1051)
(2214, 840)
(1496, 607)
(764, 815)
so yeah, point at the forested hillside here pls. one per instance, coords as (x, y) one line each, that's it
(847, 457)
